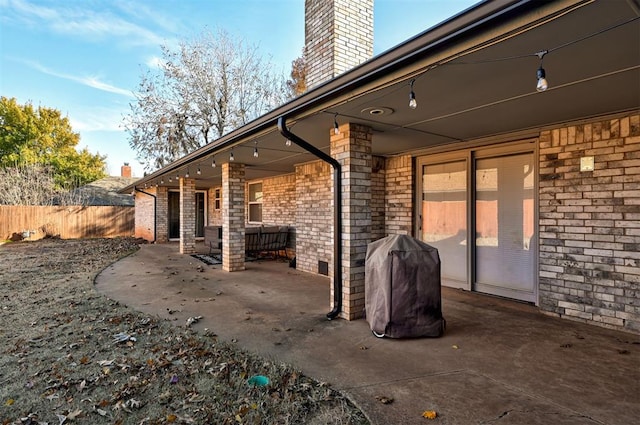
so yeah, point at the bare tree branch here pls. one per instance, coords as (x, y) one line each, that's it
(205, 88)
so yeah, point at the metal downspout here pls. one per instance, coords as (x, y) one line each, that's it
(155, 205)
(337, 212)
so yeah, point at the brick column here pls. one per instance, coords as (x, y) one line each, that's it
(187, 216)
(162, 215)
(352, 148)
(233, 217)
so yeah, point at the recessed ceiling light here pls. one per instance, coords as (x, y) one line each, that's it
(377, 111)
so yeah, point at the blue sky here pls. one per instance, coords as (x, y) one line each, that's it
(85, 57)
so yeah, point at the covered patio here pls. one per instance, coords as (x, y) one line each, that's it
(348, 162)
(498, 362)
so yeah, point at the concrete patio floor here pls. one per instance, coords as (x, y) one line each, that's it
(499, 362)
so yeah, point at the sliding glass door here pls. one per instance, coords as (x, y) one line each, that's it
(477, 207)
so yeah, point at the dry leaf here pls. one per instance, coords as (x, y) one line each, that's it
(9, 402)
(384, 400)
(71, 416)
(171, 418)
(429, 414)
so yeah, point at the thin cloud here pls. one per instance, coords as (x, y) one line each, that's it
(97, 119)
(89, 81)
(80, 22)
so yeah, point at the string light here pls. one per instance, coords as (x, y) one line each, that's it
(161, 181)
(177, 176)
(213, 162)
(541, 75)
(198, 171)
(255, 151)
(336, 129)
(170, 180)
(231, 157)
(413, 103)
(287, 142)
(187, 174)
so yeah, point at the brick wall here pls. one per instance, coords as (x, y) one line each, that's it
(378, 203)
(214, 217)
(338, 37)
(187, 215)
(162, 214)
(144, 215)
(314, 216)
(399, 195)
(279, 199)
(590, 223)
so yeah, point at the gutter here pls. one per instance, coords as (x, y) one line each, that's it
(155, 205)
(337, 211)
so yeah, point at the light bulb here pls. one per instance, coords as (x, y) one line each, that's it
(187, 175)
(542, 80)
(213, 163)
(413, 103)
(288, 142)
(255, 153)
(198, 172)
(231, 157)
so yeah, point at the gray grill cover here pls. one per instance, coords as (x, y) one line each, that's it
(402, 288)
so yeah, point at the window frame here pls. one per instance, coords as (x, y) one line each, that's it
(254, 202)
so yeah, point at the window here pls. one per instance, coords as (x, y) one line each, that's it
(255, 202)
(217, 200)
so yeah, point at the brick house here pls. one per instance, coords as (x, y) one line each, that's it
(529, 195)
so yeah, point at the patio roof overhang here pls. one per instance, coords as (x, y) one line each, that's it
(474, 78)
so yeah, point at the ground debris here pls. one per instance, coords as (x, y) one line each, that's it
(79, 357)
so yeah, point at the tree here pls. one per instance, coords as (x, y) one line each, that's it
(298, 82)
(30, 136)
(202, 90)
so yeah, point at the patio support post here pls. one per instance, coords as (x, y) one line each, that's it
(233, 216)
(162, 214)
(352, 148)
(187, 216)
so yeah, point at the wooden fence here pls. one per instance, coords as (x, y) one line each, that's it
(70, 222)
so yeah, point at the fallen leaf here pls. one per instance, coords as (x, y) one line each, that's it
(384, 400)
(171, 418)
(71, 416)
(9, 402)
(455, 347)
(429, 414)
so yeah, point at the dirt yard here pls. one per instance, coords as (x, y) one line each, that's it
(70, 355)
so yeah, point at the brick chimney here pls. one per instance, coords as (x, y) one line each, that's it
(125, 170)
(338, 36)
